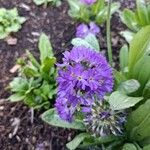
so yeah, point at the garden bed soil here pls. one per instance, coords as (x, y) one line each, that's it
(16, 118)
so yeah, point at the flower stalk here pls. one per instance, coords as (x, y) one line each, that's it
(109, 46)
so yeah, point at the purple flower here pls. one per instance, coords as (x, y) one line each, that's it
(84, 30)
(94, 28)
(65, 108)
(83, 74)
(88, 2)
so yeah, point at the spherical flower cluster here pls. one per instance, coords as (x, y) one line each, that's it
(102, 121)
(84, 30)
(83, 74)
(88, 2)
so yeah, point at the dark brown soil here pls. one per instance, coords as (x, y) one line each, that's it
(61, 29)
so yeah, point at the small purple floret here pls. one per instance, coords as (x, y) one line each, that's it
(84, 30)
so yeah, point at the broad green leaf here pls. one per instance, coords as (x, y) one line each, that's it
(141, 131)
(19, 85)
(92, 40)
(47, 64)
(32, 59)
(141, 71)
(21, 19)
(128, 35)
(84, 14)
(82, 42)
(102, 15)
(3, 35)
(146, 90)
(99, 5)
(124, 56)
(129, 146)
(45, 47)
(31, 100)
(129, 19)
(53, 119)
(145, 142)
(77, 141)
(14, 12)
(93, 141)
(119, 101)
(139, 46)
(46, 105)
(30, 72)
(129, 86)
(136, 125)
(142, 12)
(14, 28)
(16, 97)
(119, 77)
(148, 9)
(146, 147)
(40, 2)
(74, 8)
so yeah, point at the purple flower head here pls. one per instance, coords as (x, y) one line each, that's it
(102, 121)
(83, 74)
(88, 2)
(84, 30)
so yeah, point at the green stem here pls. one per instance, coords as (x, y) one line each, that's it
(108, 33)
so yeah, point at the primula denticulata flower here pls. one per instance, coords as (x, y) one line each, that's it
(83, 74)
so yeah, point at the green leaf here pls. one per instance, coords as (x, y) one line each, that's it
(90, 42)
(47, 64)
(39, 2)
(101, 16)
(141, 131)
(129, 86)
(19, 85)
(128, 35)
(142, 12)
(146, 147)
(145, 142)
(81, 42)
(139, 46)
(30, 72)
(141, 72)
(16, 97)
(119, 101)
(138, 122)
(53, 119)
(74, 4)
(123, 56)
(98, 6)
(129, 19)
(119, 77)
(77, 141)
(146, 90)
(45, 47)
(129, 146)
(32, 59)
